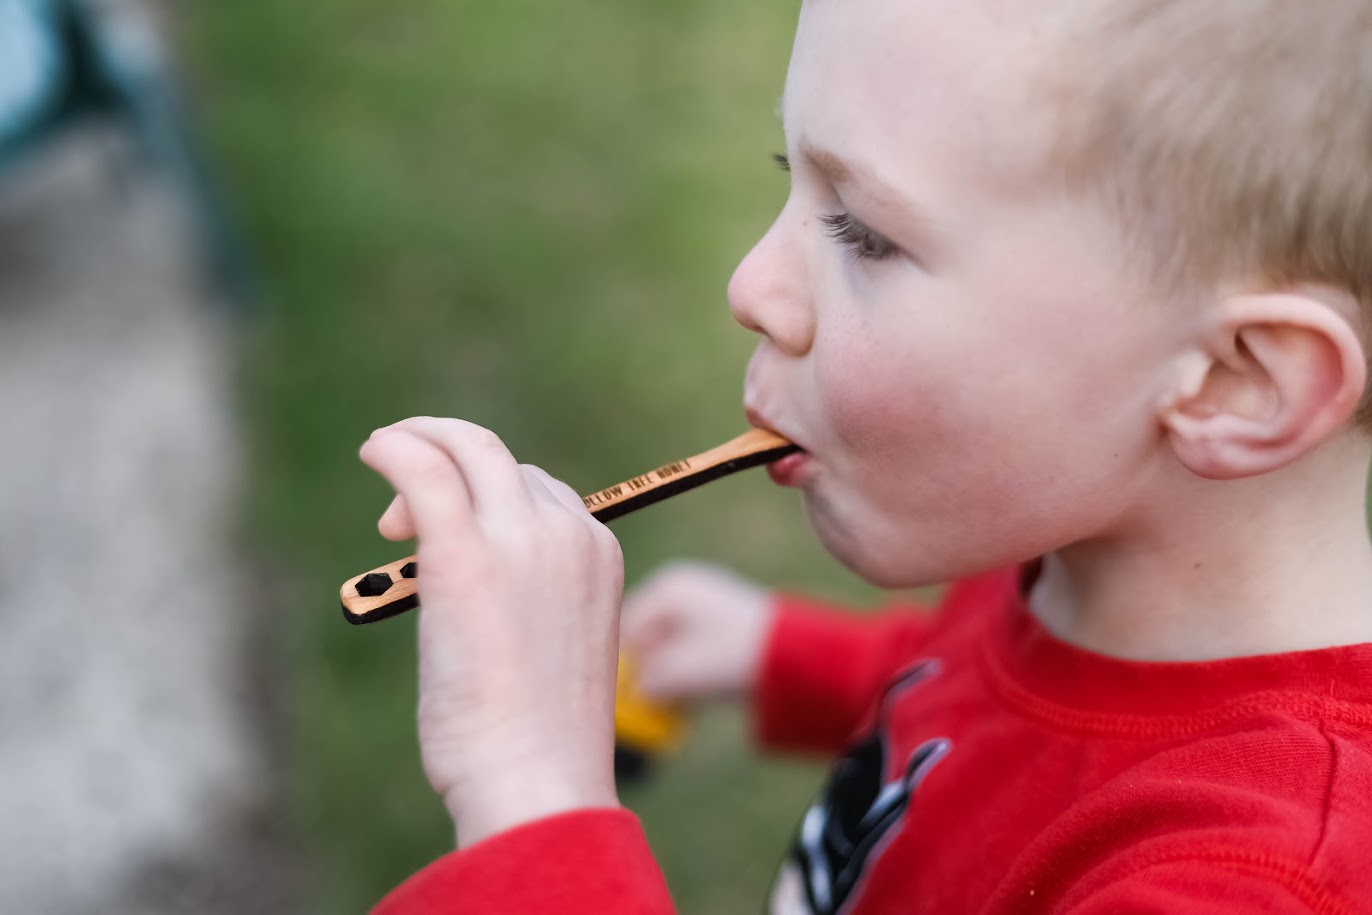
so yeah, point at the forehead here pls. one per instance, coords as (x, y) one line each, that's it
(889, 82)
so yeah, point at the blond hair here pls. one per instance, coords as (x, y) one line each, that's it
(1234, 137)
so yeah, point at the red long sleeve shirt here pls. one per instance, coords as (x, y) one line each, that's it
(988, 767)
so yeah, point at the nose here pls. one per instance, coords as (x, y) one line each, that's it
(770, 291)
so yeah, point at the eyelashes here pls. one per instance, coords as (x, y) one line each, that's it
(862, 243)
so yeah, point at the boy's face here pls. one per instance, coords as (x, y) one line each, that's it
(959, 348)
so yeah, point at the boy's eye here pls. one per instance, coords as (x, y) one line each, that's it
(862, 243)
(782, 161)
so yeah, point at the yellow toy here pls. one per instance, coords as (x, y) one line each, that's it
(644, 729)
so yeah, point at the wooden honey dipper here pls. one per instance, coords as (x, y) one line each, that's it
(392, 589)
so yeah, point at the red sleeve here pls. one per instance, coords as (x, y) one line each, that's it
(823, 668)
(584, 861)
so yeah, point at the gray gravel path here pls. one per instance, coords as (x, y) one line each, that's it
(134, 773)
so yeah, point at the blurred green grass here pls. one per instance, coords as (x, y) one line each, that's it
(523, 214)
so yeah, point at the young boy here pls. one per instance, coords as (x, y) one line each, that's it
(1073, 291)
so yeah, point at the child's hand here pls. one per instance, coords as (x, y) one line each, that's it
(696, 631)
(520, 590)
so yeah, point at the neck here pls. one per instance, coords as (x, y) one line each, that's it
(1217, 569)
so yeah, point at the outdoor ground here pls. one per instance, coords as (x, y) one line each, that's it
(136, 750)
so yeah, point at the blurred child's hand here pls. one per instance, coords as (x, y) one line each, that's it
(520, 590)
(696, 631)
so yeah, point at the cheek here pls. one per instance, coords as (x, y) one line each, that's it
(870, 398)
(910, 450)
(947, 453)
(891, 395)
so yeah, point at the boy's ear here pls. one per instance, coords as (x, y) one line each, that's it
(1274, 375)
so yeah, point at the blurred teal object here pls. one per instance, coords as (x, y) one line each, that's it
(31, 69)
(61, 66)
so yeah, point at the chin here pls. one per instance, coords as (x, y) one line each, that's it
(870, 556)
(887, 555)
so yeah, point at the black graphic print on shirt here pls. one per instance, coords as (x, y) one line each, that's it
(845, 831)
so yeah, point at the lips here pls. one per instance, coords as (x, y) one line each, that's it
(758, 421)
(789, 470)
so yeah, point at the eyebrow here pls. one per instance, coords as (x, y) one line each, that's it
(838, 171)
(828, 164)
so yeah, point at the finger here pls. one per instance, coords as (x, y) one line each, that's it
(493, 476)
(554, 487)
(395, 522)
(663, 680)
(643, 630)
(649, 617)
(435, 494)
